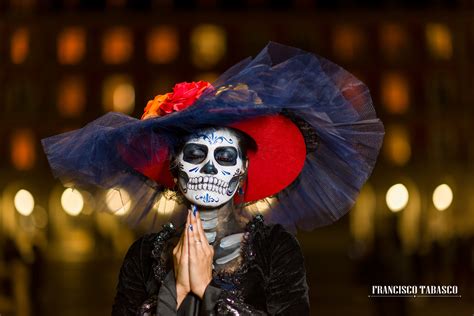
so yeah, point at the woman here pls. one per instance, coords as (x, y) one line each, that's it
(287, 125)
(251, 278)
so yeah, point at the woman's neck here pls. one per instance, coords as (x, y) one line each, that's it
(220, 222)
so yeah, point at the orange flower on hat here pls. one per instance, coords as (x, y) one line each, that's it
(184, 95)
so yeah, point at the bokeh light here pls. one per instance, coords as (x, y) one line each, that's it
(23, 153)
(396, 145)
(439, 41)
(347, 42)
(71, 45)
(117, 45)
(24, 5)
(395, 93)
(207, 76)
(40, 217)
(442, 197)
(208, 45)
(19, 45)
(362, 223)
(162, 46)
(265, 204)
(397, 197)
(72, 201)
(393, 40)
(24, 202)
(165, 205)
(118, 94)
(118, 201)
(71, 96)
(124, 98)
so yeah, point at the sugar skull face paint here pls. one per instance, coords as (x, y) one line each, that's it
(210, 167)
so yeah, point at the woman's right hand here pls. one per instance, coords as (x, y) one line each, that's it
(181, 265)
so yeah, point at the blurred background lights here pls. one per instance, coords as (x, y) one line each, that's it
(118, 201)
(442, 197)
(23, 153)
(26, 5)
(71, 98)
(71, 45)
(396, 147)
(208, 45)
(162, 46)
(19, 45)
(397, 197)
(207, 76)
(395, 93)
(266, 204)
(165, 205)
(124, 98)
(393, 40)
(118, 94)
(72, 201)
(40, 217)
(117, 46)
(24, 202)
(439, 41)
(348, 42)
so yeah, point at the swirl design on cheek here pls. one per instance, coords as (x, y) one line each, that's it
(206, 198)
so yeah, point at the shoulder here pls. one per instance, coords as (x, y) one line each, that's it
(276, 236)
(148, 248)
(144, 246)
(269, 234)
(273, 241)
(143, 262)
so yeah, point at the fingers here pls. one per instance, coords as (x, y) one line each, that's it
(186, 235)
(194, 224)
(177, 249)
(192, 244)
(197, 226)
(200, 230)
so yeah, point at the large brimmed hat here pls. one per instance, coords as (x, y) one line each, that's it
(314, 125)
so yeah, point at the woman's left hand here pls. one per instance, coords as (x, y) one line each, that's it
(201, 256)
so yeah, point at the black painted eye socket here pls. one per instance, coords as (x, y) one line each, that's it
(226, 156)
(194, 153)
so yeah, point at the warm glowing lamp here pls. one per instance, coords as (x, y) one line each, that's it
(397, 197)
(72, 202)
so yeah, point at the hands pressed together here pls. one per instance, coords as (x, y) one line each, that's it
(192, 258)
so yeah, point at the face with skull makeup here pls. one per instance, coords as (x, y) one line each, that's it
(211, 166)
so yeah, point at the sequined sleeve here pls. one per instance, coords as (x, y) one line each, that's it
(230, 304)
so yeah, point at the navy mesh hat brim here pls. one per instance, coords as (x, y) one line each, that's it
(280, 80)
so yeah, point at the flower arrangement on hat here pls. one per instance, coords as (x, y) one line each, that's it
(184, 94)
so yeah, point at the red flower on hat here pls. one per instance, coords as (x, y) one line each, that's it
(184, 94)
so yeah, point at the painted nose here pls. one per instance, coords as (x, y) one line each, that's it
(209, 168)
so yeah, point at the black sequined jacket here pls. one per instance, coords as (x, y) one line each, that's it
(270, 281)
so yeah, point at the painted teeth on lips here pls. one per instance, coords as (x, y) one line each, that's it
(207, 183)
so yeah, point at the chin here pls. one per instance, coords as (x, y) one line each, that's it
(209, 200)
